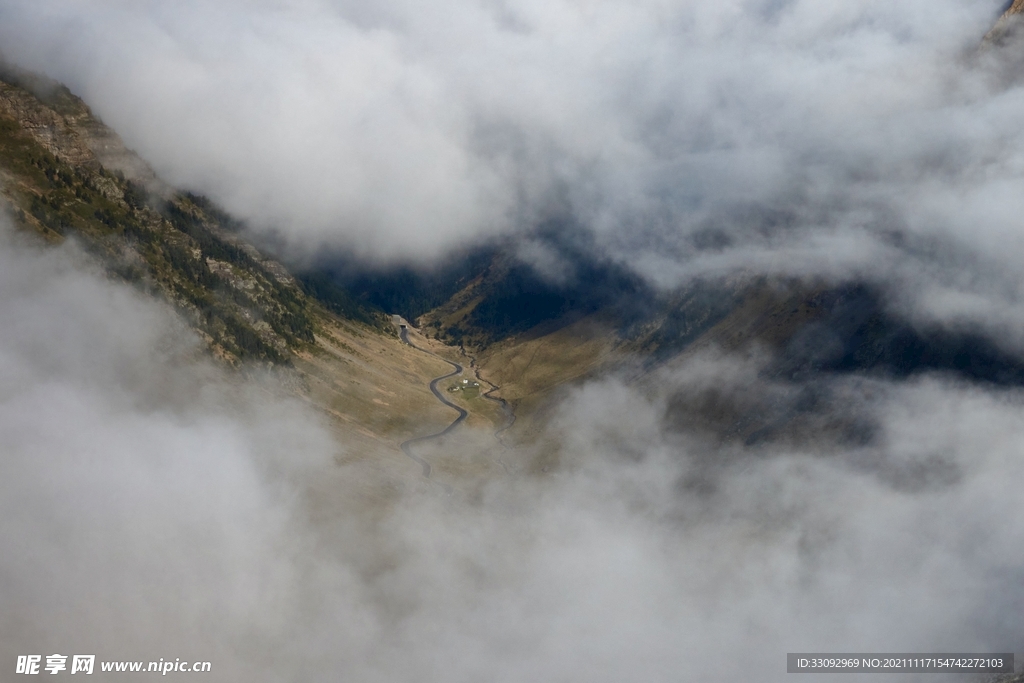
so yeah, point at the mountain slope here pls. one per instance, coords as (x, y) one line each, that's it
(64, 175)
(805, 329)
(246, 306)
(1006, 26)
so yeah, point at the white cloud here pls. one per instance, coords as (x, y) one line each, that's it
(156, 509)
(402, 130)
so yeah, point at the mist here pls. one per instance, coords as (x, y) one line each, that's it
(402, 132)
(844, 141)
(155, 505)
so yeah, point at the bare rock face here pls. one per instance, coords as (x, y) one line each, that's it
(69, 130)
(1016, 8)
(52, 130)
(1008, 25)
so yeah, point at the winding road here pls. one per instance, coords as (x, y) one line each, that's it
(406, 446)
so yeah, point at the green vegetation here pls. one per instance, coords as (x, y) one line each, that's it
(338, 299)
(404, 290)
(181, 247)
(468, 390)
(511, 298)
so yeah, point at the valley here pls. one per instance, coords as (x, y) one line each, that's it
(67, 177)
(379, 379)
(511, 341)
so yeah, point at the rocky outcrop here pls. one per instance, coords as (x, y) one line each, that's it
(1007, 26)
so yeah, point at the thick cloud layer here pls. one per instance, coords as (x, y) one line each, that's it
(143, 505)
(154, 508)
(838, 140)
(151, 507)
(404, 129)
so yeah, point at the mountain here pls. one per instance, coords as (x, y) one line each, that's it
(66, 176)
(1006, 26)
(535, 336)
(532, 325)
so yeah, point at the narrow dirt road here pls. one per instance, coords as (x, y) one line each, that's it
(506, 409)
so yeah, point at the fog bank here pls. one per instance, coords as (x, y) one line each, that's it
(697, 526)
(154, 506)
